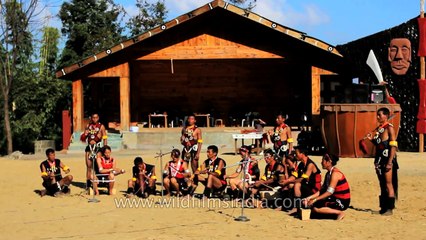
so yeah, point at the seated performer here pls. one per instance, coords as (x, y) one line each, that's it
(176, 174)
(292, 166)
(53, 182)
(106, 170)
(143, 181)
(215, 168)
(335, 195)
(307, 180)
(268, 183)
(274, 172)
(281, 137)
(250, 169)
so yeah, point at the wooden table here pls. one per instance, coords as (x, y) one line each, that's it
(157, 115)
(253, 136)
(206, 115)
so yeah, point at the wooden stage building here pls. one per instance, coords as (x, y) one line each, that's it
(218, 59)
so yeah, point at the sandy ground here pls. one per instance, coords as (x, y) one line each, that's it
(25, 215)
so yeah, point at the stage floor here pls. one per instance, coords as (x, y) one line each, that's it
(167, 138)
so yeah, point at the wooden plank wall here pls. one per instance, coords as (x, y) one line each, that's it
(221, 87)
(103, 96)
(206, 46)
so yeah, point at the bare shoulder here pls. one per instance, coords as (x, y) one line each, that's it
(337, 174)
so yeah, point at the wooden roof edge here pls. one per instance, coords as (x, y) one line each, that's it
(284, 29)
(185, 17)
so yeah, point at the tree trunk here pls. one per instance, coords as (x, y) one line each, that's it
(7, 128)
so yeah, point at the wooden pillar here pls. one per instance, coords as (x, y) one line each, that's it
(316, 88)
(125, 97)
(66, 129)
(77, 106)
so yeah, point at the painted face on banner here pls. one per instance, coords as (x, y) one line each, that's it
(399, 55)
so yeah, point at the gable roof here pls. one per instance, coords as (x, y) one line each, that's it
(216, 4)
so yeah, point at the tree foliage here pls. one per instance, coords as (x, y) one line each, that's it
(15, 55)
(32, 98)
(49, 52)
(246, 4)
(90, 26)
(38, 97)
(150, 15)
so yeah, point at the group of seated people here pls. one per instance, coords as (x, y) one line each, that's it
(105, 170)
(294, 180)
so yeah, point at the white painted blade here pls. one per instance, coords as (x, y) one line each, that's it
(374, 65)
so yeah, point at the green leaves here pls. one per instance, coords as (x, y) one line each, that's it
(150, 15)
(90, 27)
(246, 4)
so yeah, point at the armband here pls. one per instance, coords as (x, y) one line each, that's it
(305, 176)
(187, 171)
(330, 190)
(134, 179)
(263, 178)
(295, 174)
(44, 174)
(101, 168)
(199, 169)
(393, 143)
(65, 168)
(200, 141)
(166, 172)
(104, 137)
(218, 172)
(290, 140)
(154, 177)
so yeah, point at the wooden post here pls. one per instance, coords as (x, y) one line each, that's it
(125, 97)
(422, 76)
(77, 105)
(66, 129)
(316, 88)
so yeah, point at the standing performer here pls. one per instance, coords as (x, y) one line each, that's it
(385, 161)
(53, 181)
(191, 140)
(281, 137)
(93, 134)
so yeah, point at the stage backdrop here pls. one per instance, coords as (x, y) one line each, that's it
(403, 87)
